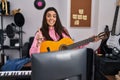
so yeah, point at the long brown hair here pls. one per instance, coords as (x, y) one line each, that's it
(59, 29)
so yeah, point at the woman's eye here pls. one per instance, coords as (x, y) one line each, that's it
(48, 15)
(54, 16)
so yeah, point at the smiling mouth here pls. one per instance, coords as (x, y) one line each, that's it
(51, 22)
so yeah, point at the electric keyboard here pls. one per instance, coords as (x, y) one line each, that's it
(12, 75)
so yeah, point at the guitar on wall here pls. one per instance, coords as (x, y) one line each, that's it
(114, 40)
(66, 43)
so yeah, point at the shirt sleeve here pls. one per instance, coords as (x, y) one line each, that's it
(35, 47)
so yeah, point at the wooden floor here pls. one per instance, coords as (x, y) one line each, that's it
(109, 77)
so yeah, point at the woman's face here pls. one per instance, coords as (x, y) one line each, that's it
(51, 18)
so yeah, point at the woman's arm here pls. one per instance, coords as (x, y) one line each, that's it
(35, 47)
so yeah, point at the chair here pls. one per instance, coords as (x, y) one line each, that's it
(26, 47)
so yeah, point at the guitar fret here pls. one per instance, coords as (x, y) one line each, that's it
(80, 43)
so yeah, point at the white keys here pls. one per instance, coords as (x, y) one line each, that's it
(15, 73)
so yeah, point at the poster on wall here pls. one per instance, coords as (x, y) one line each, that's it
(80, 13)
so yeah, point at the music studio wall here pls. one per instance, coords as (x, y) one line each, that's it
(102, 13)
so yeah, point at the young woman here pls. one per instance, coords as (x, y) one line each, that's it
(51, 29)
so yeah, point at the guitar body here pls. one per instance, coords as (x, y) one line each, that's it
(114, 41)
(55, 45)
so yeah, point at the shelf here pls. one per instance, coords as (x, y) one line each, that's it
(6, 15)
(11, 47)
(20, 36)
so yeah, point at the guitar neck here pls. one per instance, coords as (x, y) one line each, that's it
(80, 43)
(115, 20)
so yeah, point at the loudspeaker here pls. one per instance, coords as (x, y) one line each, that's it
(39, 4)
(109, 66)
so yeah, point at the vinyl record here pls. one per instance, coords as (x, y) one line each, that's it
(39, 4)
(19, 19)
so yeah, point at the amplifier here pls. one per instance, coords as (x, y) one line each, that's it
(109, 66)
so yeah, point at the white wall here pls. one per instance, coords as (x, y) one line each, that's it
(106, 14)
(102, 14)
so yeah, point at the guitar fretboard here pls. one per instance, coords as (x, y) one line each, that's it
(80, 43)
(115, 21)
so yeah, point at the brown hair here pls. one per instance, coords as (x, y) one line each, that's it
(59, 29)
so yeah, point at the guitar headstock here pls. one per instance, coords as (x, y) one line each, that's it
(102, 35)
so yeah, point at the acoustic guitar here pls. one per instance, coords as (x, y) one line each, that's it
(66, 43)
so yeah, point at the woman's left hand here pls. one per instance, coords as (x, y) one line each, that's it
(96, 39)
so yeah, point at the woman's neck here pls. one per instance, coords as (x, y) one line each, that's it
(51, 27)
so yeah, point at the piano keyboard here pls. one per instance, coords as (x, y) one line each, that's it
(14, 74)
